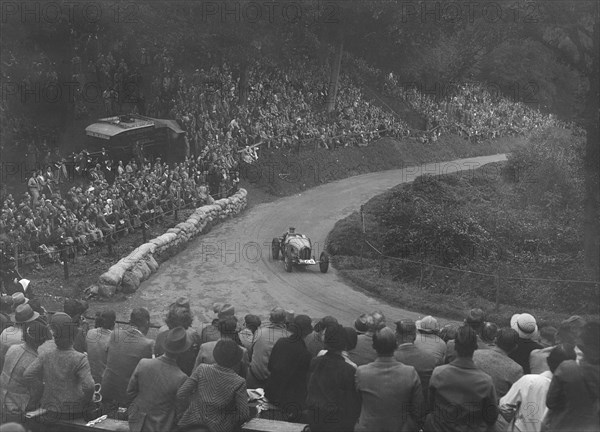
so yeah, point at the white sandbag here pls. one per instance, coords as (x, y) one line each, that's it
(131, 282)
(146, 272)
(113, 276)
(152, 263)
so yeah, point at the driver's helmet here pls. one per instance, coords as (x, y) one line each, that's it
(291, 230)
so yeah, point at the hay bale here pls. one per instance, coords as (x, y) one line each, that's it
(131, 282)
(146, 272)
(152, 263)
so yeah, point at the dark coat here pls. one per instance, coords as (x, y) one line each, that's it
(521, 354)
(572, 398)
(423, 362)
(332, 401)
(288, 366)
(153, 388)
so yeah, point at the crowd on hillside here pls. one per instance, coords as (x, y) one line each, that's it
(282, 109)
(113, 202)
(375, 375)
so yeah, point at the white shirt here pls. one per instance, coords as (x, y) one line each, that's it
(529, 391)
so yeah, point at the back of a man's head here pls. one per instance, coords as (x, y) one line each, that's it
(507, 340)
(559, 354)
(406, 331)
(227, 326)
(384, 342)
(107, 319)
(466, 341)
(569, 330)
(548, 335)
(140, 317)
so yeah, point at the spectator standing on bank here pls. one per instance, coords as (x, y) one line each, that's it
(154, 384)
(573, 396)
(97, 342)
(526, 327)
(125, 349)
(288, 366)
(332, 403)
(64, 372)
(461, 396)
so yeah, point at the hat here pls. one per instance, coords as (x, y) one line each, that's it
(24, 313)
(362, 323)
(378, 321)
(302, 324)
(277, 315)
(252, 321)
(176, 341)
(62, 326)
(289, 316)
(182, 302)
(427, 325)
(335, 338)
(226, 311)
(74, 307)
(227, 353)
(525, 325)
(12, 427)
(325, 322)
(37, 331)
(475, 316)
(19, 298)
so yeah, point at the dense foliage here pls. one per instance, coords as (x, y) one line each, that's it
(520, 219)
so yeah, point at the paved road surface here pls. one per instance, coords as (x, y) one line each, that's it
(232, 263)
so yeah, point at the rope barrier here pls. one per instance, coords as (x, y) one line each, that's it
(479, 273)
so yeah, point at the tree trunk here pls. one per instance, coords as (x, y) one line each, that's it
(591, 229)
(243, 85)
(334, 77)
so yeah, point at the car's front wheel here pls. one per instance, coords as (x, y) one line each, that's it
(275, 249)
(288, 263)
(324, 262)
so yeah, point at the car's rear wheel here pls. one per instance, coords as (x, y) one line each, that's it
(275, 249)
(288, 263)
(324, 262)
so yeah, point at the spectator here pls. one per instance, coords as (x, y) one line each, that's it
(364, 352)
(361, 324)
(525, 402)
(314, 341)
(332, 403)
(247, 335)
(64, 372)
(97, 342)
(125, 349)
(154, 384)
(411, 355)
(461, 397)
(180, 315)
(16, 397)
(227, 329)
(288, 367)
(75, 309)
(391, 394)
(428, 340)
(261, 351)
(475, 319)
(572, 398)
(567, 333)
(214, 394)
(211, 332)
(13, 335)
(526, 327)
(496, 361)
(351, 340)
(488, 333)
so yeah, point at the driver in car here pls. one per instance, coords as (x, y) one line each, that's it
(290, 231)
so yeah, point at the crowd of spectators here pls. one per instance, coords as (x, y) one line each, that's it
(112, 202)
(373, 375)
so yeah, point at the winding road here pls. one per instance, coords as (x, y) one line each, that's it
(233, 262)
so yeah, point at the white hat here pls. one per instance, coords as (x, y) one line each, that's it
(24, 283)
(525, 325)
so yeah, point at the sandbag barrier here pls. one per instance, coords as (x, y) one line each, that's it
(130, 271)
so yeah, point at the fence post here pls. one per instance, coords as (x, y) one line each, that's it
(65, 255)
(497, 284)
(176, 214)
(144, 231)
(17, 257)
(380, 265)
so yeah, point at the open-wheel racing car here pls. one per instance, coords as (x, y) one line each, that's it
(296, 249)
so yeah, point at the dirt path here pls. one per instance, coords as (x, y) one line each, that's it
(232, 263)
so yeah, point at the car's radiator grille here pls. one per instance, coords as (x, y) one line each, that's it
(304, 253)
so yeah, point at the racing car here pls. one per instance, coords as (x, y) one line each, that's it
(296, 249)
